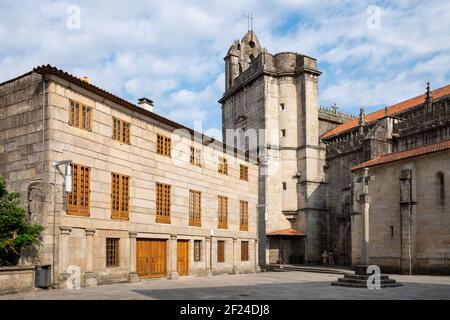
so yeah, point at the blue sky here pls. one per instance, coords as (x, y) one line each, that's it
(371, 53)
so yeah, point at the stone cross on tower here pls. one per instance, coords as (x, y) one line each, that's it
(335, 108)
(249, 16)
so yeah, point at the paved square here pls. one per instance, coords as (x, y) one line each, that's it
(261, 286)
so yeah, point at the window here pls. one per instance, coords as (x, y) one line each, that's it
(440, 186)
(243, 215)
(196, 156)
(223, 165)
(162, 203)
(243, 172)
(80, 115)
(121, 130)
(284, 185)
(283, 132)
(197, 250)
(220, 251)
(78, 199)
(195, 208)
(223, 212)
(281, 106)
(120, 196)
(163, 145)
(244, 251)
(112, 252)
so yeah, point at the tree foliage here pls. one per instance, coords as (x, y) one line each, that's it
(15, 229)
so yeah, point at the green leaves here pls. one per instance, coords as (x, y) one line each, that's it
(15, 230)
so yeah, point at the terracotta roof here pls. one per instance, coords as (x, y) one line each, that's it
(287, 232)
(396, 156)
(396, 108)
(48, 69)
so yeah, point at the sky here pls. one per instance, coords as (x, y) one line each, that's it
(371, 53)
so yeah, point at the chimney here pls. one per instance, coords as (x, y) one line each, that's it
(86, 79)
(146, 104)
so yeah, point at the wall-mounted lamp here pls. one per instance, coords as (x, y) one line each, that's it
(67, 175)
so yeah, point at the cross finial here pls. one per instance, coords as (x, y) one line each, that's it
(249, 21)
(334, 107)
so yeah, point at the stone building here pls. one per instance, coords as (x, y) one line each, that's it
(291, 179)
(270, 108)
(308, 201)
(122, 192)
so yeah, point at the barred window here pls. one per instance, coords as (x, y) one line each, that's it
(197, 250)
(163, 145)
(120, 196)
(196, 156)
(78, 199)
(223, 212)
(163, 203)
(80, 115)
(220, 251)
(112, 252)
(243, 172)
(243, 215)
(244, 251)
(121, 130)
(223, 165)
(195, 208)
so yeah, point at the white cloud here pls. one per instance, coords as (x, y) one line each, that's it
(172, 51)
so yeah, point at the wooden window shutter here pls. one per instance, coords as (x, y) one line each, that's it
(163, 203)
(78, 202)
(243, 215)
(120, 196)
(195, 208)
(223, 212)
(80, 115)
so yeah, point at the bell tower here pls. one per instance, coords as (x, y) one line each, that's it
(272, 99)
(240, 56)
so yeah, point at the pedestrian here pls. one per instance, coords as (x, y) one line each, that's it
(324, 258)
(331, 258)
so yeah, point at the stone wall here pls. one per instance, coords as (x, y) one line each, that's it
(24, 160)
(140, 161)
(16, 279)
(389, 225)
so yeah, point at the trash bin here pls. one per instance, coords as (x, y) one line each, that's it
(42, 276)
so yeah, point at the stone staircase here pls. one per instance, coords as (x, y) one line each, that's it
(359, 280)
(315, 269)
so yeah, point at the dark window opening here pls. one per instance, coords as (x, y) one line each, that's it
(440, 186)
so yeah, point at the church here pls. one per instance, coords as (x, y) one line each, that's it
(315, 161)
(125, 193)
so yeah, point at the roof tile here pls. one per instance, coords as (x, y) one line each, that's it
(396, 156)
(396, 108)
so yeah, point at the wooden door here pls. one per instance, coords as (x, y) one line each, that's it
(183, 257)
(151, 257)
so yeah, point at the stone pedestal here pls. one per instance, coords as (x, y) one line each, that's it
(363, 279)
(90, 279)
